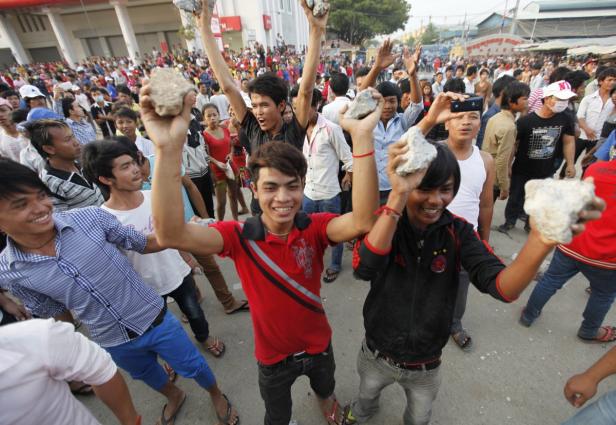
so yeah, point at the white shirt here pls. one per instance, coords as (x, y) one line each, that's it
(437, 87)
(202, 100)
(469, 86)
(145, 145)
(594, 112)
(221, 102)
(165, 270)
(473, 176)
(323, 150)
(30, 157)
(37, 359)
(537, 82)
(10, 146)
(246, 98)
(331, 110)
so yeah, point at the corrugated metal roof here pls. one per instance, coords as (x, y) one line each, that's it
(562, 6)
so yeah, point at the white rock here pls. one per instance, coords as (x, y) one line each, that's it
(555, 204)
(168, 89)
(319, 7)
(420, 154)
(363, 105)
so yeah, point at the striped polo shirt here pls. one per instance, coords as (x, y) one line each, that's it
(282, 281)
(72, 190)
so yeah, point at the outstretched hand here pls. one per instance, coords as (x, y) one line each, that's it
(411, 60)
(364, 126)
(385, 56)
(165, 131)
(402, 185)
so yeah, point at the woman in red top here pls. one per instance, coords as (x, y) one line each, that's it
(238, 158)
(218, 140)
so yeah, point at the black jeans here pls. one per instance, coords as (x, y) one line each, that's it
(275, 383)
(515, 202)
(206, 188)
(186, 297)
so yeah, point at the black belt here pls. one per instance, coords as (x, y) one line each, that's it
(427, 365)
(157, 321)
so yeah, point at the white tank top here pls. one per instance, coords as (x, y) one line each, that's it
(466, 202)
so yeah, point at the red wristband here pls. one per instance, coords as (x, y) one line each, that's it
(363, 155)
(385, 210)
(138, 420)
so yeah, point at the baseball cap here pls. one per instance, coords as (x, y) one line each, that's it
(30, 92)
(43, 113)
(80, 69)
(4, 102)
(560, 90)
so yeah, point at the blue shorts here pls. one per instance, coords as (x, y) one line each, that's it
(168, 340)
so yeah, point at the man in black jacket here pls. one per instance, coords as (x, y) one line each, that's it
(412, 258)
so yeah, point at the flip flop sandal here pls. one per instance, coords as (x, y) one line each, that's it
(165, 421)
(609, 336)
(217, 349)
(225, 419)
(243, 307)
(332, 418)
(330, 276)
(463, 340)
(348, 418)
(85, 389)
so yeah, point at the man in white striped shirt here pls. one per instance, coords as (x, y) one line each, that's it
(55, 141)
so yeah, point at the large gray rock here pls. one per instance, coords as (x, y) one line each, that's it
(363, 105)
(168, 89)
(555, 204)
(319, 7)
(193, 6)
(420, 154)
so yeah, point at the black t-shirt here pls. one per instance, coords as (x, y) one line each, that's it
(292, 133)
(538, 140)
(107, 127)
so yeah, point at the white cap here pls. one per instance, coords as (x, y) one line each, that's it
(75, 88)
(80, 69)
(66, 86)
(30, 92)
(560, 90)
(108, 79)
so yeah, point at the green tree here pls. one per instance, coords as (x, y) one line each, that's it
(358, 20)
(430, 35)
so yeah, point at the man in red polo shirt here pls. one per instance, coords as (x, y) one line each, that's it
(593, 253)
(278, 254)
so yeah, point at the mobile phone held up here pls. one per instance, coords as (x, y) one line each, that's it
(468, 105)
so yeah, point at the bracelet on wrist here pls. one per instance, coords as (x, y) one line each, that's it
(364, 155)
(385, 210)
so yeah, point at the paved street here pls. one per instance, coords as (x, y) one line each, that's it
(514, 375)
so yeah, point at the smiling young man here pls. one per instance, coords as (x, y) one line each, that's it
(416, 240)
(74, 260)
(268, 93)
(126, 121)
(278, 254)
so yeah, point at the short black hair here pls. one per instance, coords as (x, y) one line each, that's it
(19, 115)
(97, 159)
(317, 98)
(269, 84)
(405, 85)
(125, 112)
(16, 179)
(8, 93)
(609, 72)
(38, 133)
(441, 169)
(536, 66)
(449, 68)
(484, 71)
(514, 91)
(199, 84)
(455, 85)
(209, 106)
(559, 74)
(124, 90)
(215, 86)
(471, 70)
(283, 157)
(100, 90)
(460, 67)
(500, 84)
(67, 105)
(388, 89)
(517, 72)
(362, 72)
(294, 92)
(577, 78)
(339, 83)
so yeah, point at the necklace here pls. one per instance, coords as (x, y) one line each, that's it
(280, 235)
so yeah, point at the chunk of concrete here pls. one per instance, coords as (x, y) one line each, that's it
(319, 7)
(363, 105)
(555, 204)
(168, 89)
(420, 154)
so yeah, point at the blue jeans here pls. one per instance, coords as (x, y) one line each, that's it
(168, 340)
(562, 268)
(331, 206)
(601, 412)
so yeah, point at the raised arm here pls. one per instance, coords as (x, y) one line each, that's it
(365, 182)
(384, 58)
(306, 87)
(220, 67)
(168, 135)
(411, 61)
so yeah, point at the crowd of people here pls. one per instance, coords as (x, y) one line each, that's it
(108, 210)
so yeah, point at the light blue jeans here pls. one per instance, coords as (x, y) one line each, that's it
(376, 373)
(331, 206)
(601, 412)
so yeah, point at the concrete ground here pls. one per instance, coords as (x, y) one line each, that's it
(514, 375)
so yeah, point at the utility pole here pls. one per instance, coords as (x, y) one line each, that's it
(514, 22)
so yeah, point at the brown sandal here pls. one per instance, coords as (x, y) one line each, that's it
(217, 349)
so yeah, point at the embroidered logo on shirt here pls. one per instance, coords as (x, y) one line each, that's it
(304, 255)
